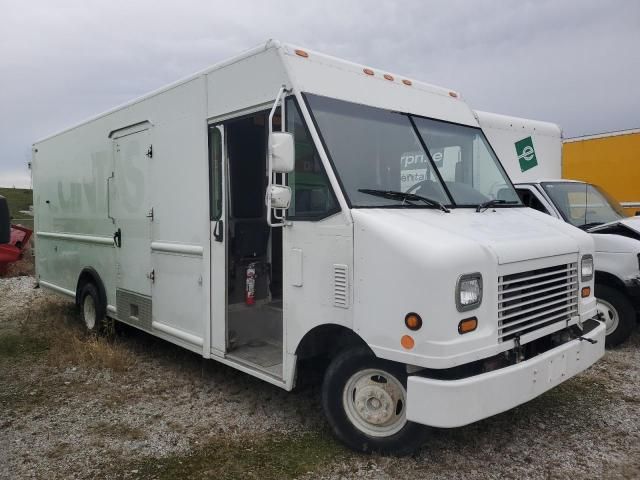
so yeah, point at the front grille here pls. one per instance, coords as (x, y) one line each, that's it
(528, 301)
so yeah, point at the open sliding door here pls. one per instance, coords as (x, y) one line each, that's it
(218, 226)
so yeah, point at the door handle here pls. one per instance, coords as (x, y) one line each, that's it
(117, 238)
(109, 198)
(218, 231)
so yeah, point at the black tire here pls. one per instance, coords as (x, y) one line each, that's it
(625, 312)
(346, 364)
(94, 322)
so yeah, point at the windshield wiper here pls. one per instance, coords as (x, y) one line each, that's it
(491, 203)
(404, 197)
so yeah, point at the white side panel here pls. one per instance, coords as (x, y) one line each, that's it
(70, 183)
(335, 78)
(178, 292)
(246, 83)
(503, 132)
(310, 250)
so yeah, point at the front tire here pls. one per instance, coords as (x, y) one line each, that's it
(365, 399)
(617, 312)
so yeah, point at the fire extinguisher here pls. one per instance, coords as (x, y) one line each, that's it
(250, 284)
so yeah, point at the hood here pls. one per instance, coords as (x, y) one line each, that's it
(510, 234)
(628, 227)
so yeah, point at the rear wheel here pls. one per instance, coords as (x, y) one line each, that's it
(617, 312)
(365, 399)
(91, 309)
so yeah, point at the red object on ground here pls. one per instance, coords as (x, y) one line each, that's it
(12, 251)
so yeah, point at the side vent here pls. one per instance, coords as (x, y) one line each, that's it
(341, 286)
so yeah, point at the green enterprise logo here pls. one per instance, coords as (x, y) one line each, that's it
(526, 154)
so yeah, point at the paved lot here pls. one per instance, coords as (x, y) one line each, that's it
(138, 407)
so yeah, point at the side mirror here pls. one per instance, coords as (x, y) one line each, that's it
(279, 197)
(282, 152)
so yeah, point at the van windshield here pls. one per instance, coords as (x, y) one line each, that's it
(583, 205)
(373, 149)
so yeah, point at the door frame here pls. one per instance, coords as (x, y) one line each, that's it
(219, 248)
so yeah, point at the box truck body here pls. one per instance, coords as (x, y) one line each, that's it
(256, 213)
(610, 160)
(586, 206)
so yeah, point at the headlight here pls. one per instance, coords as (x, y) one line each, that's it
(469, 291)
(586, 268)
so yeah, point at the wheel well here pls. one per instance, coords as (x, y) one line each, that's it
(610, 280)
(89, 275)
(327, 340)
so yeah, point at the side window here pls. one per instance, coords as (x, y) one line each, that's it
(530, 200)
(215, 173)
(313, 197)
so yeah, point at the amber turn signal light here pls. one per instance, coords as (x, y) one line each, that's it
(413, 321)
(407, 342)
(467, 325)
(586, 291)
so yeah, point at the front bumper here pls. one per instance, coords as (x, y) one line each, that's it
(454, 403)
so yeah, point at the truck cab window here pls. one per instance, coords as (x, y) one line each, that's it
(530, 200)
(313, 197)
(466, 163)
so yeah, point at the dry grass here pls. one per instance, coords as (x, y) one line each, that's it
(68, 347)
(57, 331)
(23, 267)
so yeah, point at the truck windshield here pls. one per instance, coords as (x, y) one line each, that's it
(583, 205)
(377, 149)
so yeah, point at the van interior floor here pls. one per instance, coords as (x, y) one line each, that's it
(255, 337)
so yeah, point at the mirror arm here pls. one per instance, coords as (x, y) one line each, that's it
(271, 213)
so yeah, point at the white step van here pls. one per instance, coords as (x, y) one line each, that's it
(531, 152)
(287, 205)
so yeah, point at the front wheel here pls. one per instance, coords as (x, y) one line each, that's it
(617, 312)
(365, 400)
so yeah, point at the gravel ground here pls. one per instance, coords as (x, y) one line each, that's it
(138, 407)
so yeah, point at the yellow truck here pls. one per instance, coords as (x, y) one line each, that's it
(609, 160)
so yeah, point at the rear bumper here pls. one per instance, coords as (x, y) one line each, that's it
(454, 403)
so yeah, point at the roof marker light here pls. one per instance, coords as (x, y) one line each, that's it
(388, 77)
(407, 82)
(453, 94)
(302, 53)
(368, 71)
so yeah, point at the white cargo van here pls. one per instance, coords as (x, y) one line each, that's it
(532, 151)
(285, 205)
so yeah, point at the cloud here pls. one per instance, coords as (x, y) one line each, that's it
(573, 62)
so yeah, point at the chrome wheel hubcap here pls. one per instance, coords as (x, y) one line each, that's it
(375, 402)
(609, 314)
(89, 312)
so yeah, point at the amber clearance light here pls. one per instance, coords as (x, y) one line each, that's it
(413, 321)
(407, 342)
(586, 291)
(467, 325)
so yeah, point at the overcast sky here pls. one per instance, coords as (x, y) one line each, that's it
(576, 63)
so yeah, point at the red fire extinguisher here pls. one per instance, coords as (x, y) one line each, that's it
(250, 289)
